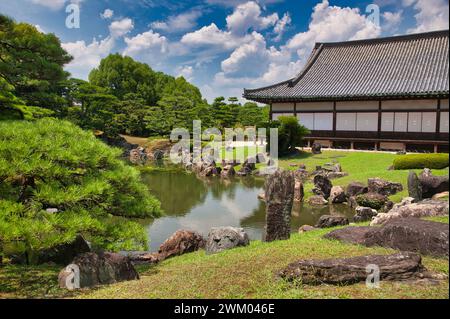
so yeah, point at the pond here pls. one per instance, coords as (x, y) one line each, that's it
(197, 204)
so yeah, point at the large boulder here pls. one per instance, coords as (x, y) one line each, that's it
(299, 191)
(355, 189)
(301, 175)
(432, 185)
(322, 186)
(373, 200)
(425, 208)
(138, 156)
(364, 214)
(337, 195)
(407, 234)
(65, 253)
(414, 186)
(412, 234)
(380, 186)
(347, 271)
(181, 242)
(328, 221)
(91, 269)
(223, 238)
(279, 194)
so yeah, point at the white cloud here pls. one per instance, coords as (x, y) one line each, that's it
(247, 17)
(234, 3)
(39, 28)
(392, 20)
(432, 15)
(181, 22)
(332, 23)
(149, 47)
(87, 56)
(281, 26)
(55, 4)
(107, 14)
(186, 71)
(121, 27)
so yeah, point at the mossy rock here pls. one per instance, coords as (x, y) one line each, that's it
(372, 200)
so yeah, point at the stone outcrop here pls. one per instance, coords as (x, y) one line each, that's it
(355, 189)
(425, 208)
(414, 186)
(223, 238)
(347, 271)
(328, 221)
(337, 195)
(407, 234)
(364, 214)
(279, 194)
(432, 185)
(322, 186)
(305, 229)
(299, 191)
(386, 188)
(97, 269)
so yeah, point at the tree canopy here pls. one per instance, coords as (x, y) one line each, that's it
(52, 164)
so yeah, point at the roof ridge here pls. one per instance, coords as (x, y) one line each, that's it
(403, 37)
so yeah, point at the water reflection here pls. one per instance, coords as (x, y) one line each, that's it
(199, 204)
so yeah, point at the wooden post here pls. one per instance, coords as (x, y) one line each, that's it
(436, 148)
(352, 145)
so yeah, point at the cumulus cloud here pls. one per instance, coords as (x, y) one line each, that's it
(432, 15)
(281, 26)
(176, 23)
(107, 14)
(186, 71)
(234, 3)
(247, 17)
(120, 28)
(392, 20)
(55, 4)
(333, 23)
(149, 47)
(87, 56)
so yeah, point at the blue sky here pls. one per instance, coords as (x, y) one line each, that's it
(221, 46)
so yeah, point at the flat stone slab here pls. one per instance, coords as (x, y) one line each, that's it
(406, 234)
(347, 271)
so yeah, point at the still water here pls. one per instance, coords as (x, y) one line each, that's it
(198, 204)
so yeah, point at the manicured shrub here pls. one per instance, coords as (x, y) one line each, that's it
(58, 181)
(420, 161)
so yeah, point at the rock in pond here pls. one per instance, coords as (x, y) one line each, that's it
(279, 193)
(386, 188)
(317, 201)
(328, 221)
(407, 234)
(347, 271)
(364, 214)
(337, 195)
(322, 186)
(299, 191)
(97, 269)
(223, 238)
(425, 208)
(228, 171)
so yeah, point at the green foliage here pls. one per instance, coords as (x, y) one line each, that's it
(250, 114)
(420, 161)
(53, 164)
(290, 134)
(32, 63)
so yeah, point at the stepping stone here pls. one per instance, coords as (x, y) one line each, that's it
(347, 271)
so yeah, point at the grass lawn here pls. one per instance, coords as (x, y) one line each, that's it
(248, 272)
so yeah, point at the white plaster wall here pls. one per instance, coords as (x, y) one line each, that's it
(346, 122)
(315, 106)
(444, 122)
(367, 122)
(409, 104)
(444, 104)
(281, 107)
(357, 105)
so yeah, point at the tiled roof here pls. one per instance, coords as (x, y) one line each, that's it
(396, 67)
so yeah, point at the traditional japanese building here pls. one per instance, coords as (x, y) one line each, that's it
(387, 93)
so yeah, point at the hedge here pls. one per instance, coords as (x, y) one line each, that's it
(420, 161)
